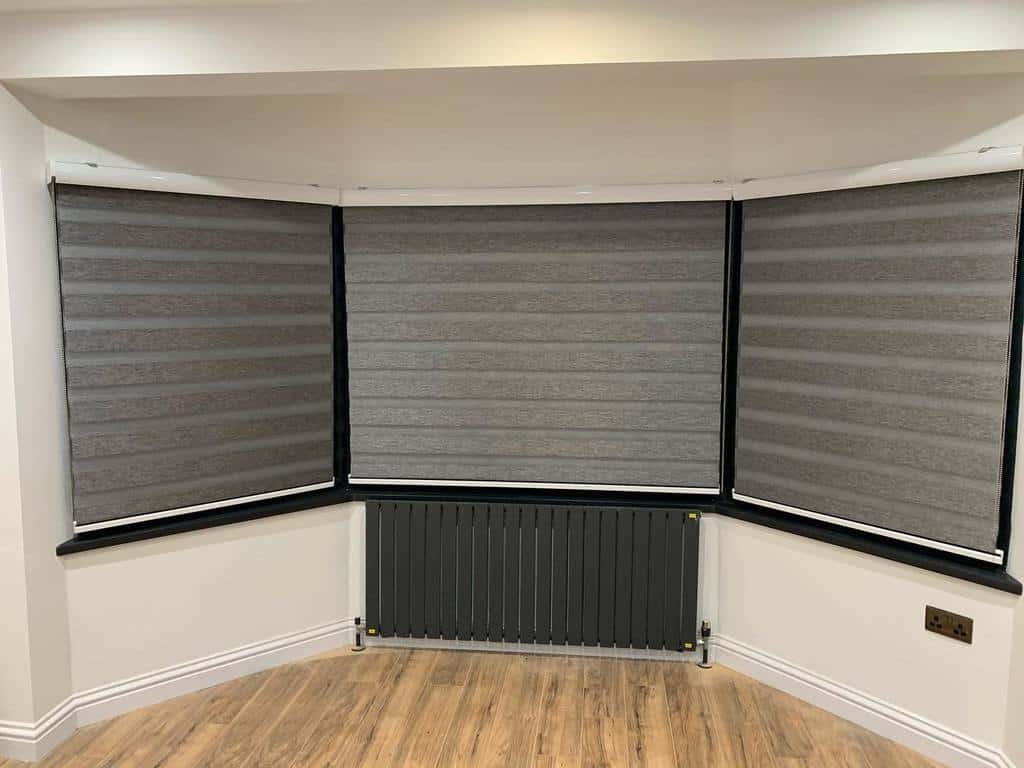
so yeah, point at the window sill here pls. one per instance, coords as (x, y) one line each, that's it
(112, 537)
(992, 576)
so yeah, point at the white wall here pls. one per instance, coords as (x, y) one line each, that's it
(33, 445)
(15, 677)
(859, 620)
(145, 606)
(1014, 742)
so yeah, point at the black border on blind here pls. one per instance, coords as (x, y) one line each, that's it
(1012, 414)
(342, 425)
(730, 342)
(985, 574)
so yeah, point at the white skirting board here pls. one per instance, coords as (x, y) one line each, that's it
(918, 733)
(32, 741)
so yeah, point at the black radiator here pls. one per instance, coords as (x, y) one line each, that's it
(552, 574)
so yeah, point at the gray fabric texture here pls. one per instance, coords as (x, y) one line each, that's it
(198, 347)
(543, 344)
(873, 357)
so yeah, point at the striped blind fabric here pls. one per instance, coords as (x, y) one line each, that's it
(872, 377)
(198, 338)
(565, 344)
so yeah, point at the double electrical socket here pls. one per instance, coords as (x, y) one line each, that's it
(949, 624)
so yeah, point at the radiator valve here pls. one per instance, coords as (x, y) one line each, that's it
(359, 641)
(705, 642)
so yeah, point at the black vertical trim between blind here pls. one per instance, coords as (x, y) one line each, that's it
(1012, 395)
(54, 193)
(342, 427)
(730, 344)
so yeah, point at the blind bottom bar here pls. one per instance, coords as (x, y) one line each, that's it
(177, 512)
(974, 554)
(550, 486)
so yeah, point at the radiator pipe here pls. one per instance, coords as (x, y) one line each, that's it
(705, 642)
(359, 638)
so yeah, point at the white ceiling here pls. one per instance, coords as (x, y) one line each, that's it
(288, 46)
(484, 82)
(10, 6)
(560, 126)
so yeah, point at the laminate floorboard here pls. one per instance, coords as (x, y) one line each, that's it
(390, 707)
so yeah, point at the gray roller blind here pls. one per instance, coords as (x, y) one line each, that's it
(198, 338)
(570, 344)
(874, 329)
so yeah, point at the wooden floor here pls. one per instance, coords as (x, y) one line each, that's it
(398, 707)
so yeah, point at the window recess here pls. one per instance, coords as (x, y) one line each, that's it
(874, 382)
(198, 339)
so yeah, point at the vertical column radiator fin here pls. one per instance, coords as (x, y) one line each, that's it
(523, 573)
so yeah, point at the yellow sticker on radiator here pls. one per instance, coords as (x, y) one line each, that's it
(688, 646)
(693, 515)
(371, 631)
